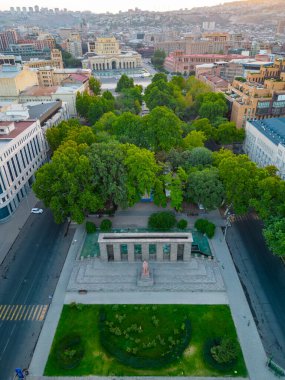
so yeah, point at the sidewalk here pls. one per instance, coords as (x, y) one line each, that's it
(46, 337)
(137, 216)
(253, 351)
(10, 229)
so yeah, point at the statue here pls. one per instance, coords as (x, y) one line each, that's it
(145, 269)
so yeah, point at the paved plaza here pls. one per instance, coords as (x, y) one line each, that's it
(197, 275)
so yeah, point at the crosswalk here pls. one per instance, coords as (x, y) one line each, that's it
(241, 218)
(23, 312)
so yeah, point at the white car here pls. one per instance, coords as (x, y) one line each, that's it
(37, 210)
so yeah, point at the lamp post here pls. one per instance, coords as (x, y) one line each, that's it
(228, 224)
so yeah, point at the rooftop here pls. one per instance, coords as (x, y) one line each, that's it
(20, 127)
(273, 129)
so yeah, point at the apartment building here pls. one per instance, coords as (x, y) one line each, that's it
(13, 80)
(260, 96)
(265, 143)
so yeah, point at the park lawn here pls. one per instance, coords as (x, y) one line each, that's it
(207, 322)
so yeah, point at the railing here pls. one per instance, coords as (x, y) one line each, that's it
(275, 368)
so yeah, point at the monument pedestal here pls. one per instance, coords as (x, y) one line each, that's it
(145, 280)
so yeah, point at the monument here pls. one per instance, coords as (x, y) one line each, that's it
(145, 246)
(145, 275)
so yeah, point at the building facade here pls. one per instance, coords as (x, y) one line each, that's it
(108, 56)
(23, 149)
(265, 143)
(186, 63)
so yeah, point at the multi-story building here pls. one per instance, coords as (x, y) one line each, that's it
(265, 143)
(48, 76)
(258, 97)
(55, 61)
(186, 63)
(108, 56)
(23, 149)
(13, 80)
(6, 38)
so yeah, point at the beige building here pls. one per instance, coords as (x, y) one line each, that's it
(253, 101)
(13, 80)
(55, 61)
(108, 56)
(48, 76)
(260, 96)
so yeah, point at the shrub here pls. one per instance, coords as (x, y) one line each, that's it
(106, 225)
(225, 351)
(210, 230)
(209, 359)
(70, 351)
(90, 227)
(164, 220)
(182, 224)
(205, 227)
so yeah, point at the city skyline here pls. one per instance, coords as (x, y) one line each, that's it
(114, 6)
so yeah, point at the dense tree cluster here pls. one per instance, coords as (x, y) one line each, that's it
(158, 59)
(121, 156)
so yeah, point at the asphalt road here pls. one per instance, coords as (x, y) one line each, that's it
(28, 278)
(263, 277)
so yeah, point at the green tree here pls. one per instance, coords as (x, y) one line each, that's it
(206, 188)
(158, 59)
(211, 106)
(227, 133)
(57, 134)
(274, 234)
(195, 87)
(158, 77)
(204, 125)
(175, 183)
(124, 83)
(159, 196)
(130, 100)
(269, 201)
(194, 139)
(65, 184)
(83, 101)
(164, 129)
(142, 171)
(200, 157)
(106, 122)
(130, 128)
(109, 174)
(240, 177)
(95, 85)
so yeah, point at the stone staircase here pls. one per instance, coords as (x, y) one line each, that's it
(96, 276)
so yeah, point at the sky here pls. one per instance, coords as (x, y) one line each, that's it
(98, 6)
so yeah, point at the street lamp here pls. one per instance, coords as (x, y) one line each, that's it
(228, 224)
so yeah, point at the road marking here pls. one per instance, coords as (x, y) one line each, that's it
(23, 312)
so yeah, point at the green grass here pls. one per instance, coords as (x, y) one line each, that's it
(207, 321)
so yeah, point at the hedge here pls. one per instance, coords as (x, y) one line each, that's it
(164, 220)
(106, 225)
(90, 227)
(205, 227)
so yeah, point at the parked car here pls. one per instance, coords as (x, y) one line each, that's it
(37, 210)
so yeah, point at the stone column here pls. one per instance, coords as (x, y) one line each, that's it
(145, 251)
(173, 251)
(103, 252)
(187, 252)
(131, 252)
(117, 252)
(159, 251)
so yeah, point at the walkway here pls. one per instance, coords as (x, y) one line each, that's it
(9, 230)
(252, 347)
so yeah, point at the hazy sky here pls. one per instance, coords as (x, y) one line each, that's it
(111, 5)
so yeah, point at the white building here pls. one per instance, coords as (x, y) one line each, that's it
(23, 149)
(265, 143)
